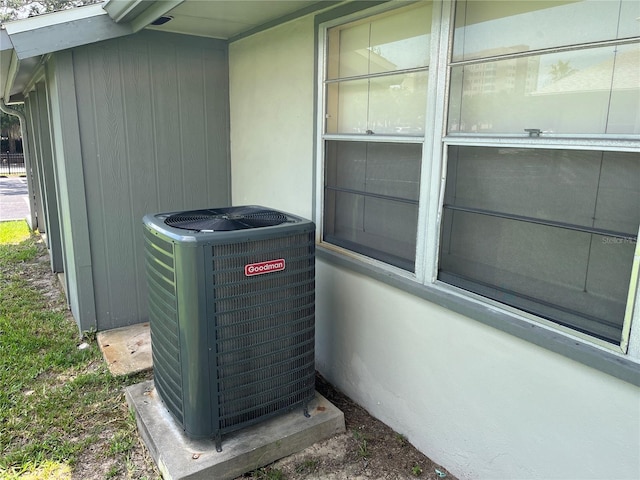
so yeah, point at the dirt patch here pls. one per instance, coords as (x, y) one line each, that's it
(368, 450)
(94, 463)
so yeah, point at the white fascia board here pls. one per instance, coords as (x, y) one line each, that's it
(6, 55)
(53, 18)
(138, 13)
(5, 41)
(153, 12)
(8, 71)
(62, 30)
(122, 11)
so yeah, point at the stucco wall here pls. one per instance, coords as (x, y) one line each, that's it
(271, 87)
(482, 403)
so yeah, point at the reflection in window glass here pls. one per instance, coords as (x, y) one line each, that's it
(391, 104)
(584, 91)
(624, 110)
(392, 41)
(347, 107)
(490, 28)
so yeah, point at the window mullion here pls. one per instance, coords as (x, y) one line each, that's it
(432, 181)
(631, 329)
(320, 128)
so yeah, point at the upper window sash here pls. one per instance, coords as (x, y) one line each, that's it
(513, 72)
(589, 91)
(393, 41)
(376, 74)
(530, 26)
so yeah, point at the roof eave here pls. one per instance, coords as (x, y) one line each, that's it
(67, 29)
(25, 42)
(6, 55)
(138, 13)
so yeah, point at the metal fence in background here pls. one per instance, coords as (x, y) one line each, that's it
(12, 163)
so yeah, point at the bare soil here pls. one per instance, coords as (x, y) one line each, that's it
(368, 450)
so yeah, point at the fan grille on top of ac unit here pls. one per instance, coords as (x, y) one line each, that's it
(226, 219)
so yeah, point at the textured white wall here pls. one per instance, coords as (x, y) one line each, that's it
(271, 88)
(482, 403)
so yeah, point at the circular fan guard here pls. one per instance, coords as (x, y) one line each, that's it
(226, 219)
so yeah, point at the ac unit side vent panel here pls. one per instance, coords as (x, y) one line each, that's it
(163, 316)
(232, 348)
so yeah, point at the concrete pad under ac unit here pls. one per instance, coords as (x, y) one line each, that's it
(181, 458)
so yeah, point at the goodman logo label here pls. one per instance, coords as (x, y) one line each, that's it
(264, 267)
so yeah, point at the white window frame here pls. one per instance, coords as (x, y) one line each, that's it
(423, 281)
(411, 139)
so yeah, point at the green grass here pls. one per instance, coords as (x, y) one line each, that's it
(56, 401)
(307, 466)
(267, 473)
(14, 232)
(363, 447)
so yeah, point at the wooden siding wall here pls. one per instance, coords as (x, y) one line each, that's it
(37, 109)
(37, 204)
(154, 132)
(70, 189)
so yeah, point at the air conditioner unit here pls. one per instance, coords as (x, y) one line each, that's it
(232, 312)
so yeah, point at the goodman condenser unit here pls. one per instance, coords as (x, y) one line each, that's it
(232, 315)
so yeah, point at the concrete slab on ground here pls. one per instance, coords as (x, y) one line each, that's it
(181, 458)
(127, 350)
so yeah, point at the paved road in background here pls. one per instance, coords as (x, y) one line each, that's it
(14, 198)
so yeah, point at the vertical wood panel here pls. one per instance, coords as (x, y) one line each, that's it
(70, 185)
(193, 128)
(154, 116)
(32, 186)
(48, 177)
(139, 134)
(109, 199)
(216, 100)
(169, 191)
(31, 111)
(90, 148)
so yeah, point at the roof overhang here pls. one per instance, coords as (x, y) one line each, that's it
(6, 55)
(25, 44)
(139, 13)
(233, 19)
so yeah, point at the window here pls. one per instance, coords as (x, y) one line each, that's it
(375, 90)
(548, 225)
(530, 199)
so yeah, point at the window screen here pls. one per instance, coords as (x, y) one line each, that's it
(371, 199)
(548, 223)
(551, 232)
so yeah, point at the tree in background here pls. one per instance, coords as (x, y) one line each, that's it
(15, 9)
(10, 131)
